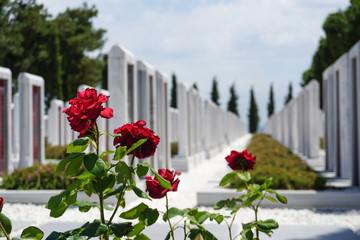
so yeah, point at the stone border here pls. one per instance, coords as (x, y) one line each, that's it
(327, 199)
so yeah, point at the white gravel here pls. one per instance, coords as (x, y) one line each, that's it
(190, 182)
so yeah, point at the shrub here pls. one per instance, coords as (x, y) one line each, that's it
(287, 169)
(56, 152)
(35, 178)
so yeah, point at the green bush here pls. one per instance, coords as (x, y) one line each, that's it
(56, 152)
(287, 169)
(35, 178)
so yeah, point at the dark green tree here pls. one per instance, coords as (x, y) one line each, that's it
(289, 96)
(214, 95)
(56, 49)
(232, 103)
(195, 86)
(271, 104)
(341, 32)
(253, 113)
(173, 101)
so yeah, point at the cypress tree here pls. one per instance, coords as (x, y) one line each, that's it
(214, 95)
(271, 104)
(253, 113)
(173, 101)
(232, 104)
(289, 96)
(195, 86)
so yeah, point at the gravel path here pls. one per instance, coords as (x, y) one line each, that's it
(190, 182)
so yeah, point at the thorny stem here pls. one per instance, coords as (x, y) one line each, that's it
(3, 229)
(185, 230)
(167, 216)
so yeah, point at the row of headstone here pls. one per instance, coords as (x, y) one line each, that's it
(139, 91)
(341, 88)
(298, 125)
(202, 129)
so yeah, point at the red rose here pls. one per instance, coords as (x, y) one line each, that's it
(1, 203)
(155, 189)
(131, 133)
(241, 160)
(86, 108)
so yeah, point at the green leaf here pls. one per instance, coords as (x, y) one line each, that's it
(120, 153)
(142, 169)
(62, 164)
(163, 182)
(94, 229)
(134, 212)
(123, 173)
(247, 234)
(5, 221)
(202, 216)
(271, 199)
(55, 236)
(86, 175)
(244, 176)
(106, 152)
(116, 191)
(220, 204)
(142, 237)
(137, 229)
(248, 201)
(139, 192)
(32, 233)
(267, 183)
(95, 165)
(248, 225)
(268, 224)
(175, 212)
(149, 216)
(71, 198)
(136, 145)
(75, 164)
(281, 198)
(227, 178)
(217, 217)
(59, 210)
(78, 145)
(54, 201)
(121, 229)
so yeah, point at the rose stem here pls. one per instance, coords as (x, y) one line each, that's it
(3, 229)
(167, 216)
(120, 195)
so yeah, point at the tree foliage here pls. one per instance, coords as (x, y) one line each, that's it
(232, 103)
(195, 86)
(271, 104)
(289, 96)
(214, 95)
(341, 32)
(173, 101)
(254, 118)
(54, 48)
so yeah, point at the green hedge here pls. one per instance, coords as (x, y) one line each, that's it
(287, 169)
(35, 178)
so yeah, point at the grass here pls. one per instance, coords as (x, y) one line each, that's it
(276, 161)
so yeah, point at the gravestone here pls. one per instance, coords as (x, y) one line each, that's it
(16, 129)
(162, 110)
(122, 85)
(69, 133)
(32, 144)
(354, 55)
(344, 112)
(55, 123)
(5, 121)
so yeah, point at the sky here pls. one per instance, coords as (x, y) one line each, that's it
(249, 43)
